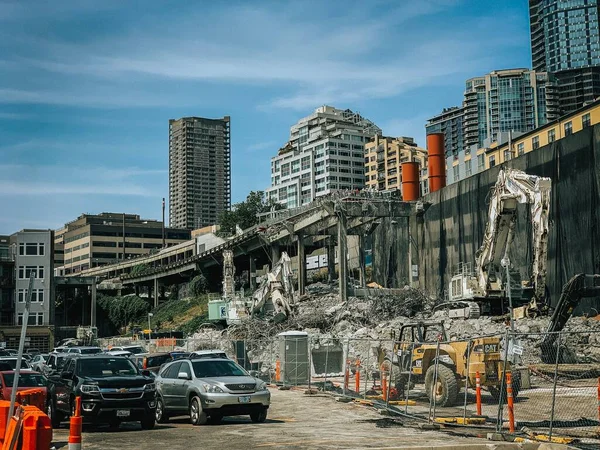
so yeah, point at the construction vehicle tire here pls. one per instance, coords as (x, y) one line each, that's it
(446, 389)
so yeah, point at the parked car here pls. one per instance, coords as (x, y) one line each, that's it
(203, 354)
(112, 391)
(119, 353)
(55, 363)
(179, 355)
(39, 361)
(134, 349)
(27, 379)
(152, 361)
(12, 362)
(208, 389)
(85, 350)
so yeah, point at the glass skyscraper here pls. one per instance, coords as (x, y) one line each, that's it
(565, 41)
(514, 100)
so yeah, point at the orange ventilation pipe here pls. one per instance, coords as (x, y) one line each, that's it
(410, 181)
(437, 164)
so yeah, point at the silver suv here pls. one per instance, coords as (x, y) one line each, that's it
(208, 390)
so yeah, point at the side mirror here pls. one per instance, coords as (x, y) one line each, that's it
(183, 376)
(145, 372)
(67, 375)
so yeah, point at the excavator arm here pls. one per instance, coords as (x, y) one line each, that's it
(578, 287)
(513, 187)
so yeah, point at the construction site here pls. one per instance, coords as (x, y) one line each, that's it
(478, 309)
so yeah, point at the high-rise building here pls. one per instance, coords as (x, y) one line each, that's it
(450, 123)
(325, 153)
(383, 162)
(507, 101)
(7, 282)
(94, 240)
(565, 41)
(199, 171)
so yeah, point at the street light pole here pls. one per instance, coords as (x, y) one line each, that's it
(149, 330)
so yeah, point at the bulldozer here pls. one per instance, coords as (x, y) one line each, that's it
(416, 352)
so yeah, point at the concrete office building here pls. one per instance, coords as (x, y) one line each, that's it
(33, 250)
(199, 171)
(450, 123)
(565, 41)
(97, 240)
(513, 100)
(383, 162)
(325, 153)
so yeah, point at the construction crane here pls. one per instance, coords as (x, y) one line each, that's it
(577, 288)
(486, 290)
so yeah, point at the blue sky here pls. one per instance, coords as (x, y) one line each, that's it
(87, 87)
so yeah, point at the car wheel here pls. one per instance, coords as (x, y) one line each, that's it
(54, 415)
(148, 422)
(197, 415)
(259, 416)
(161, 414)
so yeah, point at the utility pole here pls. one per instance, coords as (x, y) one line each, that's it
(123, 236)
(163, 223)
(13, 393)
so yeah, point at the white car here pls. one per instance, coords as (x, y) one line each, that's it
(85, 350)
(39, 361)
(209, 354)
(119, 353)
(134, 349)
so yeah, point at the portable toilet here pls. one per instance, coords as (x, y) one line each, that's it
(293, 353)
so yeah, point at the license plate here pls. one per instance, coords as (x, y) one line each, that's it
(245, 399)
(123, 413)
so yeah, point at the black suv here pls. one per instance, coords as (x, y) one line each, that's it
(112, 391)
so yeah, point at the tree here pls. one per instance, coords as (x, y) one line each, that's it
(122, 311)
(246, 214)
(198, 285)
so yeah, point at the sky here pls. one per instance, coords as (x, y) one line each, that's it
(87, 87)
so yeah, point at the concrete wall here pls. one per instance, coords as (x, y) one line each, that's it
(452, 228)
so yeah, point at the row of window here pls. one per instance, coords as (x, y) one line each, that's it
(37, 295)
(31, 249)
(25, 272)
(33, 319)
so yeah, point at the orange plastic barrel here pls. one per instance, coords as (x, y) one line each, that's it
(410, 181)
(437, 165)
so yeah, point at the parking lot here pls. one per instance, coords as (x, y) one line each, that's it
(296, 421)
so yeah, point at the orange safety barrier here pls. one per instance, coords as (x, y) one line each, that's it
(357, 377)
(11, 438)
(37, 429)
(4, 407)
(75, 424)
(35, 397)
(478, 392)
(166, 342)
(384, 390)
(511, 406)
(277, 370)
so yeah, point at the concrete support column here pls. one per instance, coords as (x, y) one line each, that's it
(93, 305)
(136, 288)
(330, 261)
(155, 292)
(361, 261)
(275, 255)
(343, 257)
(252, 273)
(301, 266)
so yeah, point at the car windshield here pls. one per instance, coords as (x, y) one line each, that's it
(26, 379)
(134, 350)
(13, 363)
(90, 351)
(216, 368)
(106, 367)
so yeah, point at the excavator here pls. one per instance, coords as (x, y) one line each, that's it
(486, 290)
(577, 288)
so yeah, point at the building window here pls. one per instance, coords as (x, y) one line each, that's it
(468, 168)
(507, 155)
(456, 173)
(520, 148)
(535, 142)
(586, 120)
(31, 249)
(34, 319)
(551, 135)
(25, 272)
(492, 161)
(480, 162)
(568, 128)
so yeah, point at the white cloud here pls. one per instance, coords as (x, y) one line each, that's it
(266, 145)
